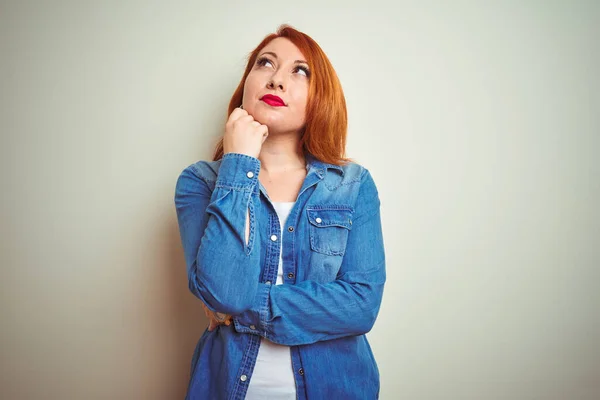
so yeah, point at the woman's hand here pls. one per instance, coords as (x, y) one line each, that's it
(215, 319)
(243, 134)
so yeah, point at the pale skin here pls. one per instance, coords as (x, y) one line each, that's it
(271, 133)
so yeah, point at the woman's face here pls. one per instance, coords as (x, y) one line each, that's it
(280, 70)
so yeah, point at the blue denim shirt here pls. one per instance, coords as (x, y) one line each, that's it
(334, 275)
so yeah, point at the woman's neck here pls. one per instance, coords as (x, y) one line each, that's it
(281, 153)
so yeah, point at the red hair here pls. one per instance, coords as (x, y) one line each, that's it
(324, 135)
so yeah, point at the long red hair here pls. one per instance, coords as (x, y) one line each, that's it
(324, 135)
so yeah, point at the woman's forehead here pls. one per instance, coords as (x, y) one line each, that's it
(283, 48)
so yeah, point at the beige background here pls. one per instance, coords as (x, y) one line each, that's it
(478, 120)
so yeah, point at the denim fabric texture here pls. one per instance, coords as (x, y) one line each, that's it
(334, 275)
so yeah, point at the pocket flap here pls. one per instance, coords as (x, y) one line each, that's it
(323, 217)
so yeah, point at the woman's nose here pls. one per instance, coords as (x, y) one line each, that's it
(276, 81)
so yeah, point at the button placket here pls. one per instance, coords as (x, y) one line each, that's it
(275, 239)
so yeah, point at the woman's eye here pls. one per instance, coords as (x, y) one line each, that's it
(303, 71)
(264, 62)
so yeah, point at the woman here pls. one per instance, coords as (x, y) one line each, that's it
(282, 238)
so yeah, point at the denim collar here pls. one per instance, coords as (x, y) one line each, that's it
(312, 163)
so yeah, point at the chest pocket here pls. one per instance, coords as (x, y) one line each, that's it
(329, 227)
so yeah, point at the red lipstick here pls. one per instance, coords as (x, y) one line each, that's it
(272, 100)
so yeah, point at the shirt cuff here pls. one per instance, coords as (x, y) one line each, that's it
(238, 171)
(254, 320)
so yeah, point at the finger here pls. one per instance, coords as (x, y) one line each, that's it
(206, 310)
(220, 317)
(212, 325)
(244, 119)
(236, 114)
(263, 130)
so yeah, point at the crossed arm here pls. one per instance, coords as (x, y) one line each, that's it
(217, 234)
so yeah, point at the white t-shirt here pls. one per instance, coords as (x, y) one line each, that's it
(273, 375)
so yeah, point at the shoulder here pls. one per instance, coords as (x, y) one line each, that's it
(349, 174)
(367, 201)
(202, 172)
(353, 171)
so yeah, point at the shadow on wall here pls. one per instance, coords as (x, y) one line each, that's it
(184, 316)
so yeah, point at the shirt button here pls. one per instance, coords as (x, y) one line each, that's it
(250, 174)
(268, 282)
(252, 327)
(291, 229)
(319, 220)
(243, 378)
(291, 275)
(301, 371)
(274, 238)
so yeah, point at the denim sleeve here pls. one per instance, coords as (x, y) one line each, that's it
(308, 311)
(222, 269)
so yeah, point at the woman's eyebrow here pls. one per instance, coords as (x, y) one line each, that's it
(275, 55)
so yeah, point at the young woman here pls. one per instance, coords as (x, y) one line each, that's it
(282, 238)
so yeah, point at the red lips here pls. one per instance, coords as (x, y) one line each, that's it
(272, 100)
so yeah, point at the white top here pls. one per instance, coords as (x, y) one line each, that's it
(273, 375)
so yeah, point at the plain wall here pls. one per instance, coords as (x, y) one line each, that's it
(478, 120)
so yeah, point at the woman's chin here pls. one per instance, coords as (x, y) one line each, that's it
(273, 119)
(266, 116)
